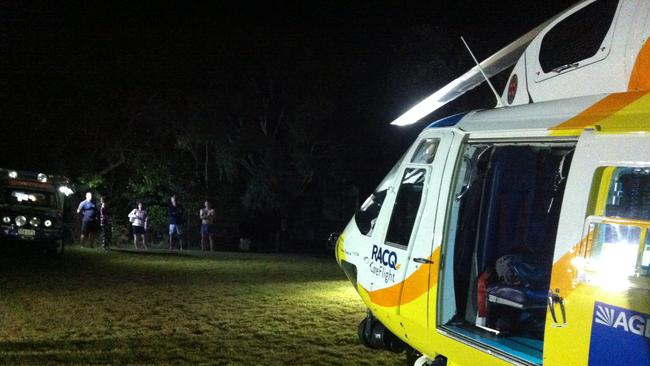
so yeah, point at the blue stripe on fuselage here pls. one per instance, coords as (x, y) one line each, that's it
(448, 121)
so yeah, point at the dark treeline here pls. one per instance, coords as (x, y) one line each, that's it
(278, 114)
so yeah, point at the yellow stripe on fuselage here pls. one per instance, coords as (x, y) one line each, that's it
(414, 286)
(615, 112)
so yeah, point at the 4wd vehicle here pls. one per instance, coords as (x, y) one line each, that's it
(31, 210)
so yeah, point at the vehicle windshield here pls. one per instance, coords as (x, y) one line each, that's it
(28, 197)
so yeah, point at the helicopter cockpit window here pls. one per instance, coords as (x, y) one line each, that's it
(425, 152)
(407, 205)
(367, 214)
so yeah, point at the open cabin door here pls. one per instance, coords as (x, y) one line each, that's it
(599, 298)
(498, 245)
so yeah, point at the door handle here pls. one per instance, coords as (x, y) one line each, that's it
(422, 260)
(553, 299)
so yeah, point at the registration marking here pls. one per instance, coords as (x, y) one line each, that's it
(27, 232)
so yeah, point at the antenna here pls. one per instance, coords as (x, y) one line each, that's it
(496, 95)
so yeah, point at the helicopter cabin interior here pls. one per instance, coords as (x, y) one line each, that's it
(498, 255)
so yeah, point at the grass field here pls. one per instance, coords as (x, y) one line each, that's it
(94, 307)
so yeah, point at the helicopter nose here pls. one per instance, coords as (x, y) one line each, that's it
(335, 241)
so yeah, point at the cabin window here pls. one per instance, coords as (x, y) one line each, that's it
(425, 152)
(407, 205)
(617, 242)
(614, 249)
(628, 192)
(578, 37)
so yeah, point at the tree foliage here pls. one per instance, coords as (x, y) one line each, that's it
(269, 139)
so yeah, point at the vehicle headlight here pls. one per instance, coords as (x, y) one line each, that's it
(47, 223)
(34, 221)
(13, 174)
(6, 220)
(41, 177)
(21, 220)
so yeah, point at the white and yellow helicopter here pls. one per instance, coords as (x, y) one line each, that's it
(521, 234)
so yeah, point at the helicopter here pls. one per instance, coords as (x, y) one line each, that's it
(520, 235)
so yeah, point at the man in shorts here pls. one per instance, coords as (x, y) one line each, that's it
(206, 214)
(176, 214)
(88, 211)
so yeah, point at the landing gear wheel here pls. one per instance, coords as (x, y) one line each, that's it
(363, 333)
(412, 355)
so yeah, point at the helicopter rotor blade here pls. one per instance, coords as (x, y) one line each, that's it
(491, 66)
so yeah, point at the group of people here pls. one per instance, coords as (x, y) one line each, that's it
(94, 220)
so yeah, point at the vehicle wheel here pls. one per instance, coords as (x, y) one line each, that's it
(55, 250)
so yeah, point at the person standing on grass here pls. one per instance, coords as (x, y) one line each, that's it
(139, 222)
(105, 224)
(88, 211)
(176, 214)
(207, 224)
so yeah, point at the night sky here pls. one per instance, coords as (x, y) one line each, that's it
(369, 58)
